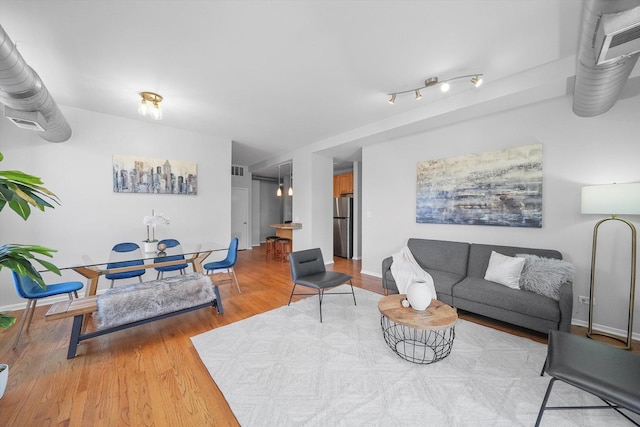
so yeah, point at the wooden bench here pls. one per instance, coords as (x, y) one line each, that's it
(81, 307)
(610, 373)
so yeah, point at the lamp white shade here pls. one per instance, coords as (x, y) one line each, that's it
(612, 199)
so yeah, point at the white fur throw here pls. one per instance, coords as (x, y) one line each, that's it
(130, 303)
(545, 275)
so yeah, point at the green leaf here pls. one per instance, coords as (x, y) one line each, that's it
(6, 321)
(21, 177)
(49, 266)
(20, 207)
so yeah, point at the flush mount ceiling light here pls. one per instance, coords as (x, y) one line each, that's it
(476, 80)
(150, 105)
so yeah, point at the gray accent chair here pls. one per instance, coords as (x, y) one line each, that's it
(610, 373)
(307, 269)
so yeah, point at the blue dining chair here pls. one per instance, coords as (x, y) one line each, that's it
(28, 289)
(174, 252)
(125, 255)
(228, 263)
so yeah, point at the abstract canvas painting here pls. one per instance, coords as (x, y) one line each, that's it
(501, 188)
(135, 174)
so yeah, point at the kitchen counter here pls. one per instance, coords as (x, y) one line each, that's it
(290, 226)
(286, 230)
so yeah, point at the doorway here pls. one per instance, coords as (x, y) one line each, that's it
(240, 216)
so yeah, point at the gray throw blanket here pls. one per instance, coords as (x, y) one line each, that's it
(130, 303)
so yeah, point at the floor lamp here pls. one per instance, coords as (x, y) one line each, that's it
(613, 199)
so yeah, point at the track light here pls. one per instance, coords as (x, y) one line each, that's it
(476, 80)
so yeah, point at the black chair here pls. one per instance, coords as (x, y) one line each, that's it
(307, 269)
(610, 373)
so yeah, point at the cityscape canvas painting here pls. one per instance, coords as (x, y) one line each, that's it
(501, 188)
(135, 174)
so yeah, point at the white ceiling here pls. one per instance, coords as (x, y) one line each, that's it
(275, 75)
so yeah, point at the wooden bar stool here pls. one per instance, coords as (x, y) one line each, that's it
(283, 247)
(271, 245)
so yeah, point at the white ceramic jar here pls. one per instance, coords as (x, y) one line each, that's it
(419, 295)
(4, 378)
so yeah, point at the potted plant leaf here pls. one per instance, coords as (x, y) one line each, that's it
(20, 192)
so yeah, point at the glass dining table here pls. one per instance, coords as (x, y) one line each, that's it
(194, 254)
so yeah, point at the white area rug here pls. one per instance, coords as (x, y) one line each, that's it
(285, 368)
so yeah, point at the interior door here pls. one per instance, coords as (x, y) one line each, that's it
(240, 216)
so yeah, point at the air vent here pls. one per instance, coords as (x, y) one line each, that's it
(237, 170)
(617, 36)
(32, 120)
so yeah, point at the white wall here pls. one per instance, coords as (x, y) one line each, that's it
(92, 218)
(577, 152)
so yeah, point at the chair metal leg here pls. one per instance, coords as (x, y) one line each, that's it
(112, 282)
(544, 401)
(291, 296)
(233, 273)
(353, 293)
(33, 309)
(320, 295)
(23, 321)
(544, 366)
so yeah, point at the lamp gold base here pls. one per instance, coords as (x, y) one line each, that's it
(597, 336)
(632, 286)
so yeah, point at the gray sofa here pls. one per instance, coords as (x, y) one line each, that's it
(458, 271)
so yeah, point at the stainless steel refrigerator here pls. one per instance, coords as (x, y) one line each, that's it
(343, 227)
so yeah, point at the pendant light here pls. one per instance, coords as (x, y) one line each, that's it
(279, 192)
(290, 192)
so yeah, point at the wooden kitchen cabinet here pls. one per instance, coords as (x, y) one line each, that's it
(342, 184)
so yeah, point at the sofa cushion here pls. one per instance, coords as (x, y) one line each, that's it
(444, 281)
(479, 256)
(440, 255)
(495, 295)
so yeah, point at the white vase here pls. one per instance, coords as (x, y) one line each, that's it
(4, 378)
(150, 246)
(419, 295)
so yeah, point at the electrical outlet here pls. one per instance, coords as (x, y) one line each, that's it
(585, 300)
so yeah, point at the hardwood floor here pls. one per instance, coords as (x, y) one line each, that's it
(151, 374)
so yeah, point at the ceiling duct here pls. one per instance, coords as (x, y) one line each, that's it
(27, 101)
(607, 54)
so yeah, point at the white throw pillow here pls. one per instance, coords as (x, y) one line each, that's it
(505, 270)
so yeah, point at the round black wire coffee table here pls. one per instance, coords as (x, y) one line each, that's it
(418, 336)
